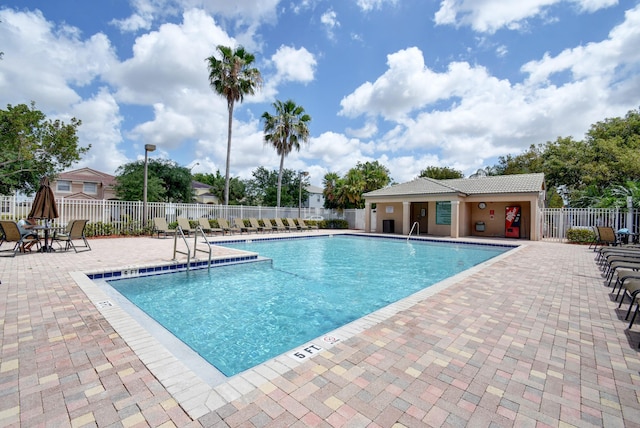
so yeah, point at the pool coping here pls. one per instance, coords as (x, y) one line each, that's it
(196, 396)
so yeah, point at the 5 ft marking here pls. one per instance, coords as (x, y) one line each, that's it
(306, 352)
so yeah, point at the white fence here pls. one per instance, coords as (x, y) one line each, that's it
(125, 216)
(555, 222)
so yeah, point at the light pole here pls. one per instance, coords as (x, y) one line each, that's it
(147, 148)
(194, 165)
(300, 175)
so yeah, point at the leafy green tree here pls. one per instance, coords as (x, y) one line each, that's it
(33, 147)
(237, 191)
(483, 172)
(346, 192)
(263, 188)
(440, 172)
(284, 131)
(129, 183)
(232, 77)
(166, 182)
(530, 161)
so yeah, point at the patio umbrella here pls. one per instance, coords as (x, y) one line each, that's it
(44, 204)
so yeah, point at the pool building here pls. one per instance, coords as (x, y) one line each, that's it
(505, 206)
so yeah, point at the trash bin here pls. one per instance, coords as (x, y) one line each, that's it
(387, 226)
(480, 226)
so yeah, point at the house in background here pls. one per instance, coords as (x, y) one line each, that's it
(503, 206)
(315, 198)
(84, 183)
(202, 193)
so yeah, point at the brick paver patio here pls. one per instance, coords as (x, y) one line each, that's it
(534, 339)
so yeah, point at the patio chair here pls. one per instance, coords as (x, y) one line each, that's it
(224, 225)
(293, 224)
(256, 224)
(75, 234)
(206, 226)
(306, 226)
(11, 233)
(240, 225)
(160, 226)
(280, 225)
(606, 236)
(183, 223)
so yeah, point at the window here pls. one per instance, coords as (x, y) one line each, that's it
(90, 188)
(443, 213)
(63, 186)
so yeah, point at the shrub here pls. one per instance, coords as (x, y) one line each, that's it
(333, 224)
(581, 235)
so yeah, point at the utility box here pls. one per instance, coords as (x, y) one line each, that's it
(388, 226)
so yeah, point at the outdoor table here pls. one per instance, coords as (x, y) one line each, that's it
(46, 248)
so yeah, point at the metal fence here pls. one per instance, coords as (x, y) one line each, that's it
(125, 216)
(121, 217)
(555, 222)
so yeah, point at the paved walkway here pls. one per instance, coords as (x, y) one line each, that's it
(533, 339)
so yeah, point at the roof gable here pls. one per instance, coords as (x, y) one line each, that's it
(87, 175)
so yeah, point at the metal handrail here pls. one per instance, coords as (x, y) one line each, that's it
(416, 226)
(195, 244)
(175, 246)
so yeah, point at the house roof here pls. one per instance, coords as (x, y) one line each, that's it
(518, 183)
(88, 175)
(314, 189)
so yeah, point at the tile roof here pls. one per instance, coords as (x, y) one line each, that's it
(517, 183)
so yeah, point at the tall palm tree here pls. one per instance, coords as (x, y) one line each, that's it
(285, 130)
(232, 77)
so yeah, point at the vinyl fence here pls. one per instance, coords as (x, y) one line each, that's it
(555, 222)
(122, 217)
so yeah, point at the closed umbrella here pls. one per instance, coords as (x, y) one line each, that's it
(44, 207)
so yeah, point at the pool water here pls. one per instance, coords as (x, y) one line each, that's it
(239, 316)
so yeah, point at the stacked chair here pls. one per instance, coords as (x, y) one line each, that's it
(620, 265)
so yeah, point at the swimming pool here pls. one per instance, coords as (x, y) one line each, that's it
(239, 316)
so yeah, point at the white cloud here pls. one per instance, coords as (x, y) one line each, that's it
(492, 15)
(247, 13)
(330, 21)
(465, 116)
(368, 5)
(294, 65)
(41, 62)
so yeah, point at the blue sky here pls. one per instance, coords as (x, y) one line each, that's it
(409, 83)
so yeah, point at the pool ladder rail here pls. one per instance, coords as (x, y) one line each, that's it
(187, 253)
(415, 226)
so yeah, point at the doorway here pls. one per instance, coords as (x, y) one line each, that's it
(420, 214)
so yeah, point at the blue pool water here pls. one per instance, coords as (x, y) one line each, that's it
(239, 316)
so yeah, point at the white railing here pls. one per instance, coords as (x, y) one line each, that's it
(126, 216)
(121, 217)
(555, 222)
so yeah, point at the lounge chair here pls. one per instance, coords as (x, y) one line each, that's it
(280, 225)
(206, 226)
(75, 234)
(240, 225)
(160, 226)
(256, 224)
(184, 224)
(224, 225)
(293, 224)
(11, 233)
(306, 226)
(606, 236)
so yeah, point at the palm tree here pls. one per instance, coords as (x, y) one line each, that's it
(285, 130)
(233, 78)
